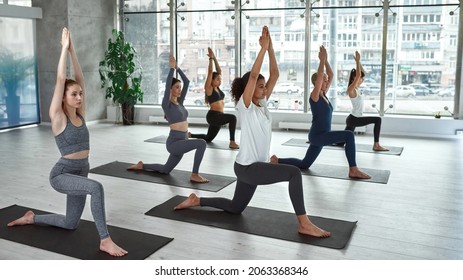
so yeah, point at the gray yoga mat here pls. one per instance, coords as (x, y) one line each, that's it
(359, 147)
(215, 144)
(258, 221)
(176, 178)
(342, 172)
(82, 243)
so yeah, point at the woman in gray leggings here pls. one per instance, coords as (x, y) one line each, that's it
(69, 175)
(252, 166)
(177, 143)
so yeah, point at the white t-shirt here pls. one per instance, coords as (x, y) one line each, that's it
(357, 104)
(256, 132)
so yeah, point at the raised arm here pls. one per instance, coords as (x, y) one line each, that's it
(170, 76)
(186, 84)
(264, 41)
(358, 75)
(56, 113)
(212, 60)
(78, 75)
(329, 73)
(274, 72)
(322, 56)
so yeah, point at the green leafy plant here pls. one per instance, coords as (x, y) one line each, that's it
(13, 70)
(121, 73)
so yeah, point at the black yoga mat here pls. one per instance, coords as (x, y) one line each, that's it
(215, 144)
(342, 172)
(359, 147)
(177, 178)
(258, 221)
(82, 243)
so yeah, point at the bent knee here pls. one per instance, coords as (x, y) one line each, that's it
(296, 171)
(202, 143)
(71, 224)
(349, 134)
(96, 187)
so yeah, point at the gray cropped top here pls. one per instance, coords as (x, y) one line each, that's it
(175, 113)
(73, 139)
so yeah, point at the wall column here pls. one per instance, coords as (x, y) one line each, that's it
(90, 23)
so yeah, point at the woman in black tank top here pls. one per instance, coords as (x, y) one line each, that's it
(216, 117)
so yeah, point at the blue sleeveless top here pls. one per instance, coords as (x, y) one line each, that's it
(73, 139)
(322, 112)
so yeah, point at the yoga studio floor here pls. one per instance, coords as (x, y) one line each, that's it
(416, 215)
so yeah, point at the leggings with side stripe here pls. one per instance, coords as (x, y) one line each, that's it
(69, 176)
(259, 173)
(215, 120)
(177, 145)
(317, 141)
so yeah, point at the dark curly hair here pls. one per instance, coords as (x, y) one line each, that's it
(239, 84)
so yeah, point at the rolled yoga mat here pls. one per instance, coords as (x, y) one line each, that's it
(258, 221)
(82, 243)
(177, 178)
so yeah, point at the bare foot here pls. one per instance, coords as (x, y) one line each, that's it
(191, 201)
(27, 219)
(377, 147)
(196, 178)
(355, 173)
(137, 166)
(274, 159)
(107, 245)
(306, 227)
(233, 145)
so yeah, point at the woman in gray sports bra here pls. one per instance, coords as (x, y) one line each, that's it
(177, 143)
(69, 175)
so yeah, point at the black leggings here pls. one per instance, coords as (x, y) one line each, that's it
(215, 120)
(352, 122)
(260, 173)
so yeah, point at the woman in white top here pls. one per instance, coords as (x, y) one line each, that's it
(356, 118)
(252, 166)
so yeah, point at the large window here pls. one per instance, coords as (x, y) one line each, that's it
(420, 53)
(18, 76)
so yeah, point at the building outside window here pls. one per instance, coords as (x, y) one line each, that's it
(417, 53)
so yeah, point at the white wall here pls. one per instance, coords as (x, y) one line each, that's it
(391, 124)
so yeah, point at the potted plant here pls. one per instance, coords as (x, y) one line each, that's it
(13, 70)
(121, 75)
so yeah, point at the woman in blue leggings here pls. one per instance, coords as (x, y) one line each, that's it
(252, 166)
(320, 133)
(69, 175)
(177, 143)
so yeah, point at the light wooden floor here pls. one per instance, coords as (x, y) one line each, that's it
(417, 215)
